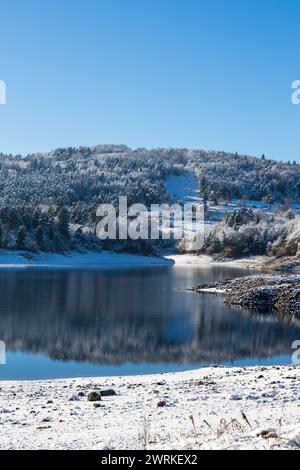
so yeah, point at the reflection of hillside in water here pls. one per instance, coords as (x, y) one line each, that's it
(113, 318)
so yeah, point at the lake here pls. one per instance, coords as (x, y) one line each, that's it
(59, 324)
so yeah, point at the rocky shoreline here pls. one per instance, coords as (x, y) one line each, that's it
(280, 293)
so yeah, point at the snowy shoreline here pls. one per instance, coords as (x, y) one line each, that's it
(205, 261)
(211, 408)
(107, 259)
(259, 263)
(74, 260)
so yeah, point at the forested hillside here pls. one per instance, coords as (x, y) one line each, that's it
(49, 201)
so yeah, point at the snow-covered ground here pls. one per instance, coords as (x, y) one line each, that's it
(184, 188)
(212, 408)
(203, 261)
(74, 260)
(190, 260)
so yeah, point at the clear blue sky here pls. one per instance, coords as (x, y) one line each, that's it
(212, 74)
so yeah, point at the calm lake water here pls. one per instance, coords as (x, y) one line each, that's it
(93, 323)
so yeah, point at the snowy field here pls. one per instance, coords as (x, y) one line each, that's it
(213, 408)
(183, 188)
(25, 260)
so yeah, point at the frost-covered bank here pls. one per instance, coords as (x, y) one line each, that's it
(75, 260)
(260, 292)
(212, 408)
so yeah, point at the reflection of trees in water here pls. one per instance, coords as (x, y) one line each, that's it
(111, 318)
(230, 334)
